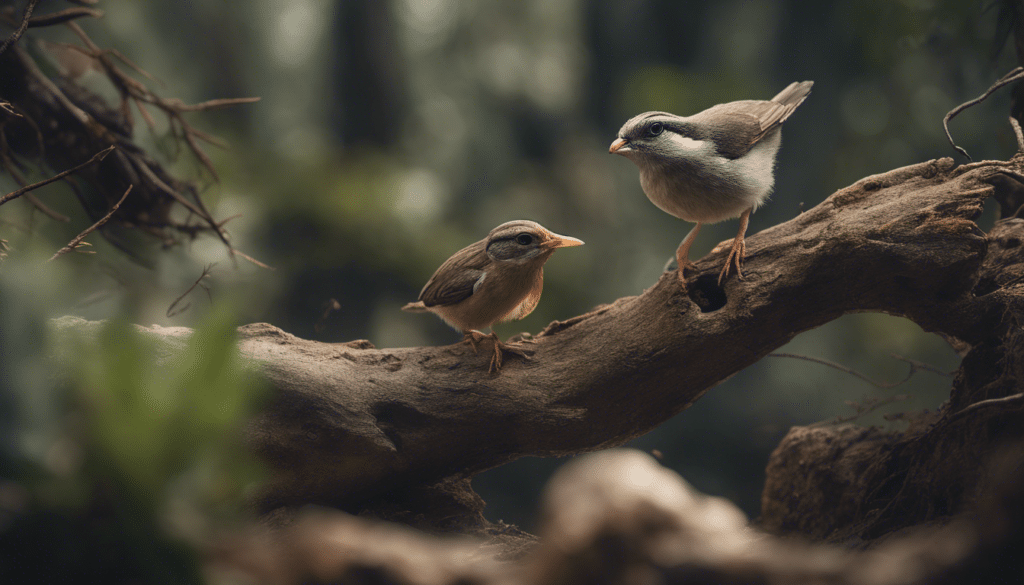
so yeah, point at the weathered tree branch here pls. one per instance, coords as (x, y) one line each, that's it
(377, 429)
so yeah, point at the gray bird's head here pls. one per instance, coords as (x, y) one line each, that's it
(654, 137)
(523, 240)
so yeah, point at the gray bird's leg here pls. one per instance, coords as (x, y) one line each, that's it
(739, 249)
(683, 254)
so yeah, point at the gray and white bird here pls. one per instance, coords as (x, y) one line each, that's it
(711, 166)
(498, 279)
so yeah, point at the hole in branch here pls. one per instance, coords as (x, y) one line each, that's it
(706, 293)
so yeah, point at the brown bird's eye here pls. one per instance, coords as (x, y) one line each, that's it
(656, 128)
(524, 239)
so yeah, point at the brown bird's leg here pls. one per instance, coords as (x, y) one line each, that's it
(683, 254)
(739, 249)
(500, 347)
(473, 337)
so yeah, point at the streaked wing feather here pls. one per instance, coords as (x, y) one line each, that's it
(453, 281)
(737, 126)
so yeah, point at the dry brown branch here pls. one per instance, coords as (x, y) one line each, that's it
(63, 16)
(914, 367)
(207, 271)
(1015, 75)
(398, 433)
(21, 28)
(49, 111)
(77, 240)
(19, 192)
(46, 209)
(991, 403)
(1018, 133)
(354, 424)
(172, 107)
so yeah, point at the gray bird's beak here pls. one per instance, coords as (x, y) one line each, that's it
(558, 241)
(619, 144)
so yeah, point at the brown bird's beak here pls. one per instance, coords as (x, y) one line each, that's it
(558, 241)
(620, 143)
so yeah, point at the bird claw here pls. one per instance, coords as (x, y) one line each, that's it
(499, 348)
(474, 338)
(687, 265)
(735, 258)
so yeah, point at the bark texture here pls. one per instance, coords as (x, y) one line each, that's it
(397, 433)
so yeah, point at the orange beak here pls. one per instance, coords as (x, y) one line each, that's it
(558, 241)
(619, 143)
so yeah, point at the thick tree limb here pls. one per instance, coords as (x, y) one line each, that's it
(363, 428)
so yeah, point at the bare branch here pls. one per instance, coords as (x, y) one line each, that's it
(915, 366)
(211, 104)
(95, 159)
(1018, 133)
(74, 243)
(1010, 77)
(46, 209)
(63, 16)
(207, 271)
(21, 28)
(985, 404)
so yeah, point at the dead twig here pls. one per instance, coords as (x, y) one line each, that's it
(869, 405)
(985, 404)
(78, 239)
(95, 159)
(207, 271)
(21, 28)
(1018, 133)
(63, 16)
(1016, 74)
(7, 107)
(133, 90)
(11, 166)
(915, 366)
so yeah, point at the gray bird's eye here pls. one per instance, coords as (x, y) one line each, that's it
(656, 128)
(524, 239)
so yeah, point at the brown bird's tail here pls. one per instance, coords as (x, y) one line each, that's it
(794, 94)
(417, 307)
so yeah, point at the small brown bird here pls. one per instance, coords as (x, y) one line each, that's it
(497, 279)
(711, 166)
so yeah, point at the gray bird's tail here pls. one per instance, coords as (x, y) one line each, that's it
(794, 94)
(417, 307)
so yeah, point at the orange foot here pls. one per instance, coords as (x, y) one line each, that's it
(735, 258)
(474, 338)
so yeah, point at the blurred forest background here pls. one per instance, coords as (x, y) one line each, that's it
(392, 133)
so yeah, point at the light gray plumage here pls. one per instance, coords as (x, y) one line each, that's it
(711, 166)
(497, 279)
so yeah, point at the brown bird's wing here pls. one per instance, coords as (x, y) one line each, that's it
(737, 126)
(454, 280)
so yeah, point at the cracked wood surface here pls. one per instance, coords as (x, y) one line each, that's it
(352, 424)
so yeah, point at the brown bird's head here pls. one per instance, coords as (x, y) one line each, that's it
(523, 240)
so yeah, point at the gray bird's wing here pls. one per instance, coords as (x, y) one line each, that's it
(737, 126)
(455, 279)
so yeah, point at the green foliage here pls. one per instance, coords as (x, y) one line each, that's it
(166, 429)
